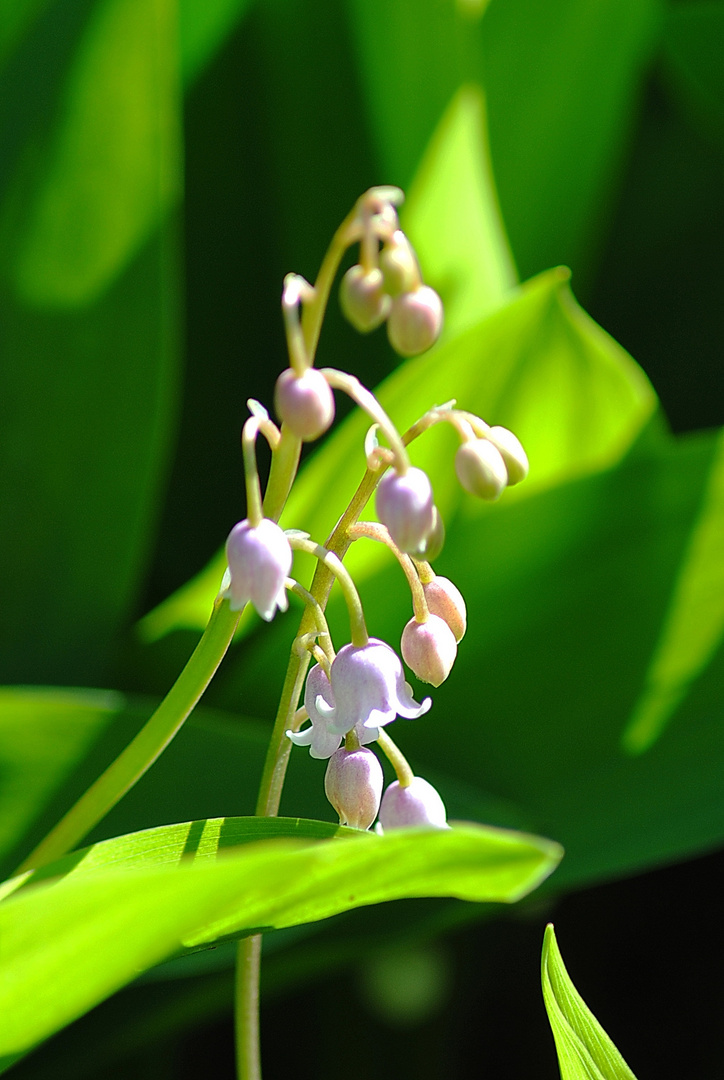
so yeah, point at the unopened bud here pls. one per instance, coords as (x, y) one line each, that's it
(480, 469)
(353, 785)
(512, 453)
(363, 299)
(404, 504)
(305, 403)
(415, 321)
(429, 649)
(399, 265)
(446, 600)
(416, 804)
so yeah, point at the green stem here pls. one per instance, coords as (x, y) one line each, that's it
(143, 750)
(340, 380)
(371, 530)
(248, 965)
(396, 758)
(358, 629)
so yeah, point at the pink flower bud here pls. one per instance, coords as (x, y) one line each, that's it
(415, 321)
(260, 559)
(399, 265)
(404, 504)
(446, 600)
(353, 785)
(304, 402)
(512, 453)
(362, 298)
(418, 804)
(429, 649)
(481, 469)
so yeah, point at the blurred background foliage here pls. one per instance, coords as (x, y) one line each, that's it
(162, 166)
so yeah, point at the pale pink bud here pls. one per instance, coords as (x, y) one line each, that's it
(362, 298)
(353, 785)
(304, 402)
(404, 504)
(429, 649)
(446, 600)
(415, 321)
(399, 265)
(481, 469)
(512, 453)
(417, 804)
(260, 559)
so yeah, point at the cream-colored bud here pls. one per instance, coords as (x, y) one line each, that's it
(512, 453)
(445, 599)
(304, 402)
(429, 649)
(415, 321)
(362, 298)
(480, 469)
(399, 265)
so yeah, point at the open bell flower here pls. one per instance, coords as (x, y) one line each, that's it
(321, 737)
(369, 689)
(260, 559)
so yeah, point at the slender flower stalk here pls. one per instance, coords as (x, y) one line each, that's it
(371, 530)
(145, 748)
(255, 425)
(358, 629)
(351, 386)
(396, 758)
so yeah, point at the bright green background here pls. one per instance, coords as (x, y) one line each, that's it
(161, 168)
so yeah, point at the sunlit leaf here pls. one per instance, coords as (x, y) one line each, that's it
(452, 217)
(694, 624)
(585, 1052)
(53, 934)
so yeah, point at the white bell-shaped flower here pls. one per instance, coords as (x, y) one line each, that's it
(369, 688)
(353, 785)
(321, 736)
(260, 559)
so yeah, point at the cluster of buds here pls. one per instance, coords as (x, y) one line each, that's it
(387, 286)
(351, 697)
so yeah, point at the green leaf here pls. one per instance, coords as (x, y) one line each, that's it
(203, 26)
(693, 626)
(452, 216)
(562, 81)
(67, 944)
(585, 1052)
(539, 365)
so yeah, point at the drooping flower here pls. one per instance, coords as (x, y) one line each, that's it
(321, 737)
(417, 804)
(481, 469)
(429, 649)
(405, 505)
(369, 689)
(260, 559)
(353, 785)
(305, 402)
(415, 321)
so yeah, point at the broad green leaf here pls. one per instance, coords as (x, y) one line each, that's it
(691, 46)
(414, 55)
(52, 935)
(452, 216)
(562, 81)
(88, 307)
(539, 365)
(111, 168)
(585, 1052)
(694, 624)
